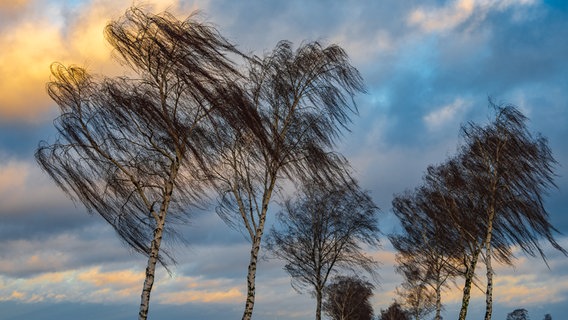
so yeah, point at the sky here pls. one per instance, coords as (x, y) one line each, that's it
(429, 67)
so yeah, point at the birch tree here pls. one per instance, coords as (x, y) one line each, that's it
(428, 252)
(322, 232)
(511, 170)
(491, 196)
(135, 150)
(304, 99)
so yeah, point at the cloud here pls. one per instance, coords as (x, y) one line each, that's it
(13, 4)
(531, 282)
(80, 285)
(528, 290)
(233, 295)
(203, 292)
(366, 48)
(80, 247)
(425, 74)
(33, 41)
(41, 288)
(442, 18)
(121, 278)
(94, 284)
(24, 187)
(13, 177)
(28, 50)
(457, 13)
(440, 117)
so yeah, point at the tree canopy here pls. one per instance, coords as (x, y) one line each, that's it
(484, 200)
(347, 298)
(136, 149)
(321, 232)
(304, 99)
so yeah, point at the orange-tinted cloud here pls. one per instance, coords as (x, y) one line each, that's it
(443, 18)
(68, 35)
(12, 5)
(185, 289)
(30, 260)
(230, 295)
(457, 12)
(96, 285)
(28, 50)
(120, 278)
(12, 178)
(74, 285)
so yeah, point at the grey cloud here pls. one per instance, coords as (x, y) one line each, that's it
(42, 223)
(389, 146)
(21, 139)
(258, 25)
(91, 246)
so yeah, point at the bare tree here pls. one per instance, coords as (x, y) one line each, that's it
(136, 150)
(428, 253)
(489, 197)
(321, 232)
(511, 170)
(454, 210)
(419, 301)
(347, 298)
(303, 99)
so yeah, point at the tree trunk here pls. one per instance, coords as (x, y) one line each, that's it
(488, 253)
(467, 286)
(318, 303)
(150, 270)
(489, 292)
(160, 219)
(438, 302)
(251, 278)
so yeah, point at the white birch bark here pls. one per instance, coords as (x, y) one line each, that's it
(150, 271)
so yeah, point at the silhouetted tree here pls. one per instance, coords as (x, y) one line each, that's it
(511, 171)
(394, 312)
(304, 98)
(547, 316)
(347, 298)
(136, 149)
(418, 299)
(489, 197)
(518, 314)
(322, 231)
(428, 253)
(455, 214)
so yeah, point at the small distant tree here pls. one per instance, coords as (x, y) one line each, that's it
(518, 314)
(547, 316)
(394, 312)
(321, 232)
(418, 300)
(347, 298)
